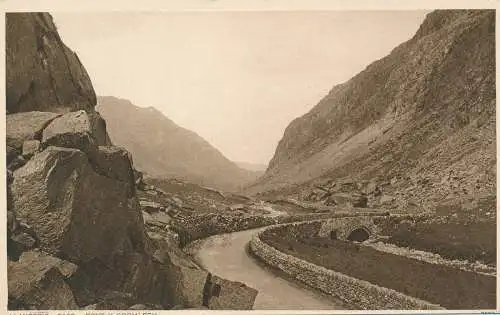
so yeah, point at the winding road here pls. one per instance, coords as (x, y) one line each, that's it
(226, 256)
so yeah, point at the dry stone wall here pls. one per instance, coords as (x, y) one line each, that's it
(356, 292)
(208, 224)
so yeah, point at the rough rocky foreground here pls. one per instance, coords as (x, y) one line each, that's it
(76, 232)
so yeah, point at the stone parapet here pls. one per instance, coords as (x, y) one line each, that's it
(358, 293)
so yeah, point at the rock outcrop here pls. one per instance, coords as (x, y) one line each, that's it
(41, 72)
(419, 124)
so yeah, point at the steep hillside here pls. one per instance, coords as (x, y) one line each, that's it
(416, 128)
(164, 149)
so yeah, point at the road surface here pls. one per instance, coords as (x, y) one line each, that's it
(226, 256)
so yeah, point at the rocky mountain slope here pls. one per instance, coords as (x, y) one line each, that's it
(414, 130)
(170, 150)
(76, 237)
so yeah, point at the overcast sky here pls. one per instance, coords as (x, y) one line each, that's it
(235, 78)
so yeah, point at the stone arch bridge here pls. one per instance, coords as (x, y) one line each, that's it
(349, 228)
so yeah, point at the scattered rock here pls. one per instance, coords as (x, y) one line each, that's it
(158, 219)
(373, 189)
(66, 268)
(237, 207)
(21, 127)
(151, 206)
(347, 199)
(170, 238)
(177, 201)
(386, 200)
(30, 147)
(38, 284)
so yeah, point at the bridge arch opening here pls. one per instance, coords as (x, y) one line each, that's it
(358, 235)
(333, 235)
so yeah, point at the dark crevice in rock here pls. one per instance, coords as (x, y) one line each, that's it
(38, 134)
(27, 95)
(207, 290)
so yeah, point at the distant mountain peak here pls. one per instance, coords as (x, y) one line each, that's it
(161, 148)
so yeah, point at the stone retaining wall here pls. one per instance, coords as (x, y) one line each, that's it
(205, 225)
(359, 293)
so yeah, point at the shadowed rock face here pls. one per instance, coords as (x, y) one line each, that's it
(42, 73)
(72, 208)
(420, 119)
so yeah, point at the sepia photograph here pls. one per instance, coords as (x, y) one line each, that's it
(324, 160)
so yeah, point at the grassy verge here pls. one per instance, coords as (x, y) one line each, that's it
(472, 241)
(449, 287)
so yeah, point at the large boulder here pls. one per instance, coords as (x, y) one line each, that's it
(26, 126)
(99, 131)
(84, 131)
(185, 280)
(134, 274)
(34, 257)
(36, 282)
(72, 130)
(151, 206)
(41, 72)
(115, 163)
(72, 209)
(190, 286)
(222, 294)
